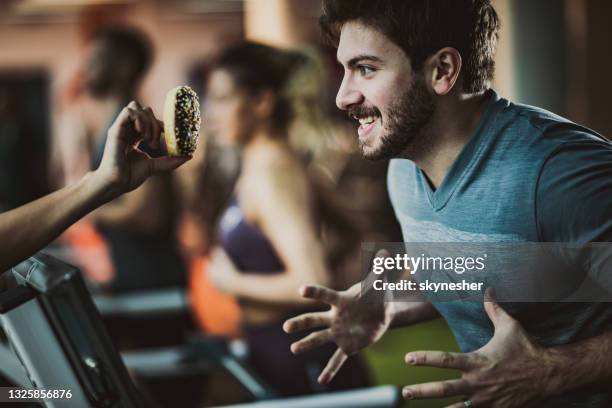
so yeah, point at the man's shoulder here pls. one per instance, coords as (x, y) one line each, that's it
(537, 117)
(562, 143)
(545, 126)
(526, 137)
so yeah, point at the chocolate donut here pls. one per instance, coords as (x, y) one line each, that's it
(181, 121)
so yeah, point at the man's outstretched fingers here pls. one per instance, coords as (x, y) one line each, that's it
(439, 359)
(334, 364)
(311, 341)
(436, 389)
(320, 293)
(307, 321)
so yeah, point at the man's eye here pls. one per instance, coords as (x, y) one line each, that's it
(364, 70)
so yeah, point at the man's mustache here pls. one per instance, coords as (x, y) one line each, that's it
(363, 112)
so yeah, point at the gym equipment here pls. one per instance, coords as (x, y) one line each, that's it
(55, 330)
(57, 341)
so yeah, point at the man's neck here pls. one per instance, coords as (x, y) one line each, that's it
(451, 128)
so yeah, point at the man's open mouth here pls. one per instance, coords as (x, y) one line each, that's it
(367, 120)
(366, 125)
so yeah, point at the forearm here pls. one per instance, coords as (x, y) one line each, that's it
(27, 229)
(587, 362)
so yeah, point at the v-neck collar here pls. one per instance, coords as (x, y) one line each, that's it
(466, 159)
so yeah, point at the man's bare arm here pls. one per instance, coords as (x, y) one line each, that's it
(586, 362)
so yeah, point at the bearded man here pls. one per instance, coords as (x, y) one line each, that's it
(469, 166)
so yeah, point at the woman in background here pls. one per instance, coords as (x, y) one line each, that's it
(270, 234)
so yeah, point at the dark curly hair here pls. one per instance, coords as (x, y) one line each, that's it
(422, 27)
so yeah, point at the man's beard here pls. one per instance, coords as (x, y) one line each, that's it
(405, 122)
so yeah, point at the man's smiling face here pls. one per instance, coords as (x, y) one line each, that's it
(381, 91)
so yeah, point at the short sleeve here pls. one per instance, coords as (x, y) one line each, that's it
(574, 193)
(574, 206)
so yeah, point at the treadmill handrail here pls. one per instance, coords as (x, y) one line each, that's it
(153, 302)
(385, 396)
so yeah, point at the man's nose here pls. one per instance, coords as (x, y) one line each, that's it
(348, 95)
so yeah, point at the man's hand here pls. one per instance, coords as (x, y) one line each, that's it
(351, 323)
(509, 371)
(124, 167)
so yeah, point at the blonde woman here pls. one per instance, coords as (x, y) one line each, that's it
(269, 237)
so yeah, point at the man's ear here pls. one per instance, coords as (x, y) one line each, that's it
(445, 69)
(263, 104)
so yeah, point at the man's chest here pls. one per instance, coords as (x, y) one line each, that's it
(493, 206)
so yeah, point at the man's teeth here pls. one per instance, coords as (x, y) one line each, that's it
(367, 121)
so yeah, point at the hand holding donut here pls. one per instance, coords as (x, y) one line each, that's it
(124, 167)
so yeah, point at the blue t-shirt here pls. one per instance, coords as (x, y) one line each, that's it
(526, 175)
